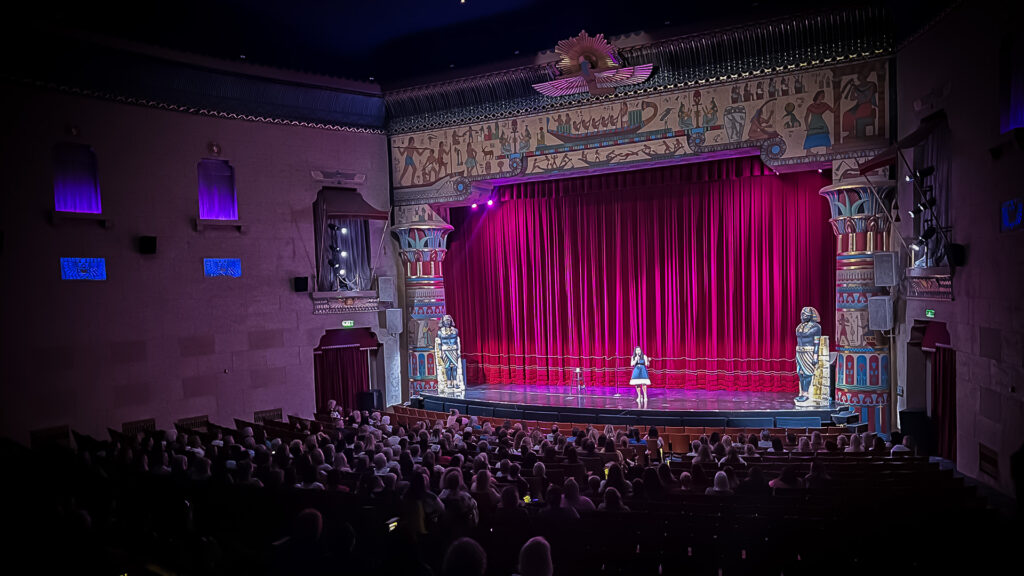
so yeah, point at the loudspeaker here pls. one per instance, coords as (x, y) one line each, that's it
(147, 244)
(880, 313)
(386, 289)
(416, 402)
(369, 400)
(300, 283)
(886, 268)
(917, 424)
(393, 320)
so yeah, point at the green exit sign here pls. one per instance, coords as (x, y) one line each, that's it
(348, 323)
(929, 313)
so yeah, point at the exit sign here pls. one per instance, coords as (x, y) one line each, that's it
(348, 323)
(929, 313)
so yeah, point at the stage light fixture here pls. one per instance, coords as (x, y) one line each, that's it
(820, 171)
(923, 239)
(333, 227)
(921, 207)
(344, 230)
(925, 172)
(334, 263)
(473, 206)
(490, 202)
(334, 248)
(342, 271)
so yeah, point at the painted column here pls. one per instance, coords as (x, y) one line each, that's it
(862, 367)
(422, 242)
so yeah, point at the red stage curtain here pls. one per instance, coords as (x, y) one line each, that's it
(706, 266)
(944, 401)
(340, 367)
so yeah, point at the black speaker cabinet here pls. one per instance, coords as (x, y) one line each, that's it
(370, 400)
(300, 283)
(147, 244)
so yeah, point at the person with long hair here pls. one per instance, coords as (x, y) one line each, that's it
(640, 378)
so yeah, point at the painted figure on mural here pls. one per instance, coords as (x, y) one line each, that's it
(808, 335)
(448, 351)
(711, 114)
(685, 122)
(470, 159)
(817, 126)
(859, 117)
(409, 152)
(761, 122)
(844, 329)
(791, 121)
(640, 378)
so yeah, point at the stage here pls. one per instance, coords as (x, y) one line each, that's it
(617, 405)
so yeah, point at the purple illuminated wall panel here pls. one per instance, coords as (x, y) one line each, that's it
(76, 187)
(217, 197)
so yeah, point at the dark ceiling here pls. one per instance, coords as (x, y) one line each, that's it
(402, 42)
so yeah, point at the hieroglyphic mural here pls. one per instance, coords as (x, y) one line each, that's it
(815, 116)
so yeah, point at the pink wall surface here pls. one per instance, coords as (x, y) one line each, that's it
(954, 66)
(158, 339)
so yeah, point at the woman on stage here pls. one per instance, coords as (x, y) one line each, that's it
(640, 378)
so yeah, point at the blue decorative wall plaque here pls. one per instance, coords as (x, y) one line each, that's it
(213, 267)
(83, 269)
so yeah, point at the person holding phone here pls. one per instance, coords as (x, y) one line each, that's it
(640, 378)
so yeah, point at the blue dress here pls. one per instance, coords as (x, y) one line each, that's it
(640, 376)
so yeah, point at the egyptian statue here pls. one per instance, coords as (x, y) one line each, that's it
(812, 359)
(448, 351)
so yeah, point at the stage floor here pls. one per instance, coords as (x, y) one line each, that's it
(624, 398)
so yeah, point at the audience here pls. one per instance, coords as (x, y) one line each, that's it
(461, 477)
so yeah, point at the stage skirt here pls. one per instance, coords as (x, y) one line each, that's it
(640, 376)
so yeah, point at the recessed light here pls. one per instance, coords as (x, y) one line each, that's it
(451, 65)
(242, 56)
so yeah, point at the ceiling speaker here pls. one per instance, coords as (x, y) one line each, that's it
(300, 283)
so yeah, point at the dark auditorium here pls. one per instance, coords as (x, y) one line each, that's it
(512, 288)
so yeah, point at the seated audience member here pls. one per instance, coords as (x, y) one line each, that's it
(616, 479)
(612, 502)
(855, 444)
(304, 551)
(817, 478)
(539, 485)
(817, 442)
(694, 448)
(685, 483)
(878, 447)
(831, 447)
(720, 487)
(904, 449)
(732, 458)
(460, 507)
(788, 480)
(535, 558)
(766, 440)
(754, 484)
(704, 456)
(750, 453)
(464, 558)
(484, 492)
(843, 442)
(573, 499)
(511, 508)
(777, 445)
(553, 509)
(804, 446)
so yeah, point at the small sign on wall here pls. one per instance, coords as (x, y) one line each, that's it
(1012, 215)
(83, 269)
(230, 267)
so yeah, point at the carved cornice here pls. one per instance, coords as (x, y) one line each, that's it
(786, 44)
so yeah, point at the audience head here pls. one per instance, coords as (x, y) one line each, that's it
(464, 558)
(535, 558)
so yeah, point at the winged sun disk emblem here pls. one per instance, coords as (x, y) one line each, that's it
(591, 64)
